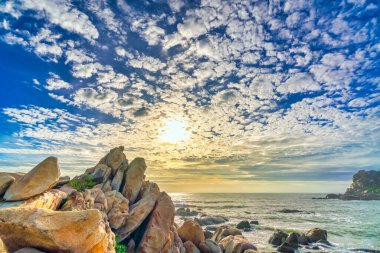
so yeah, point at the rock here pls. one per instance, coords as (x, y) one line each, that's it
(211, 220)
(54, 231)
(15, 175)
(48, 200)
(316, 234)
(177, 242)
(62, 181)
(133, 179)
(278, 238)
(119, 176)
(186, 212)
(303, 239)
(293, 211)
(236, 244)
(333, 196)
(3, 249)
(223, 232)
(140, 210)
(324, 242)
(114, 159)
(254, 222)
(75, 202)
(41, 178)
(292, 240)
(28, 250)
(243, 224)
(209, 246)
(250, 251)
(67, 188)
(208, 234)
(211, 228)
(5, 182)
(159, 225)
(101, 173)
(131, 246)
(190, 247)
(117, 210)
(191, 231)
(95, 199)
(106, 187)
(286, 248)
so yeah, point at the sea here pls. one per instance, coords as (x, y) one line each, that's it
(351, 225)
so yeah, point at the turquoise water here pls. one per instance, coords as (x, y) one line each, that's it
(350, 224)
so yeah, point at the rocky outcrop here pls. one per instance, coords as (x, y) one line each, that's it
(5, 182)
(365, 186)
(54, 231)
(40, 179)
(134, 178)
(48, 200)
(117, 209)
(191, 231)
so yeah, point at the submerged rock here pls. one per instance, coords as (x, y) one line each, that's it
(191, 231)
(278, 238)
(54, 231)
(243, 224)
(316, 234)
(41, 178)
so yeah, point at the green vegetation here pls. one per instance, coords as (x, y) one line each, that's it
(80, 184)
(120, 248)
(373, 189)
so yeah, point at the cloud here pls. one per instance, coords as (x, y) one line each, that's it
(300, 82)
(55, 83)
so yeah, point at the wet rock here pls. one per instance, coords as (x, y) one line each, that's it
(118, 208)
(278, 238)
(48, 200)
(254, 222)
(191, 231)
(211, 228)
(5, 182)
(292, 240)
(324, 242)
(133, 179)
(119, 176)
(286, 248)
(236, 244)
(41, 178)
(159, 225)
(303, 239)
(243, 225)
(316, 234)
(223, 232)
(211, 220)
(54, 231)
(140, 210)
(186, 212)
(208, 234)
(209, 246)
(190, 247)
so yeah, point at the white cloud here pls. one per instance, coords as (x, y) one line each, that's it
(55, 83)
(300, 82)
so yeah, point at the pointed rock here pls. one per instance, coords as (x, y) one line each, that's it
(41, 178)
(54, 231)
(140, 210)
(114, 159)
(133, 179)
(5, 182)
(118, 178)
(159, 225)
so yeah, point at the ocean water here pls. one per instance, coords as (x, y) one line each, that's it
(350, 224)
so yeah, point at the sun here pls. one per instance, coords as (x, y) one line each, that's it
(174, 131)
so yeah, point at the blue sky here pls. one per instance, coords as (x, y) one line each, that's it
(278, 96)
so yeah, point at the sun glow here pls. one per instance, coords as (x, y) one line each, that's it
(174, 131)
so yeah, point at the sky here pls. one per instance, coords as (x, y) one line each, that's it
(216, 95)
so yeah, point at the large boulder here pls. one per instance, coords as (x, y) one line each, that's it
(119, 176)
(117, 210)
(316, 234)
(236, 244)
(48, 200)
(159, 225)
(209, 246)
(75, 202)
(41, 178)
(96, 199)
(133, 179)
(224, 231)
(114, 159)
(190, 247)
(140, 210)
(54, 231)
(191, 231)
(277, 238)
(243, 225)
(5, 182)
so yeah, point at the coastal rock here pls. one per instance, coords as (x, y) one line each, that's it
(292, 240)
(119, 176)
(254, 222)
(316, 234)
(101, 173)
(243, 224)
(48, 200)
(3, 248)
(62, 181)
(211, 228)
(95, 199)
(28, 250)
(209, 246)
(54, 231)
(15, 175)
(159, 225)
(114, 159)
(286, 248)
(278, 238)
(133, 179)
(5, 182)
(191, 231)
(190, 247)
(236, 244)
(75, 202)
(140, 210)
(186, 212)
(208, 234)
(303, 239)
(211, 220)
(177, 242)
(117, 210)
(223, 232)
(41, 178)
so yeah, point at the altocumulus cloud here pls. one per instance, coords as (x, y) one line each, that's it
(268, 90)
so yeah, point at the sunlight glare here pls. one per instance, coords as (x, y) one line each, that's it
(174, 131)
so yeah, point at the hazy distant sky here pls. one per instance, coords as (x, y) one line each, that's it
(228, 96)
